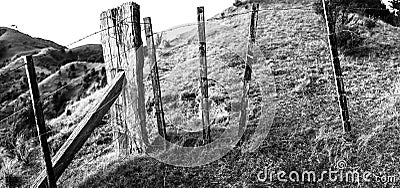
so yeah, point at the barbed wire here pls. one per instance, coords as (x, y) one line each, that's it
(99, 109)
(93, 159)
(61, 88)
(305, 8)
(172, 29)
(42, 99)
(12, 69)
(185, 25)
(175, 28)
(25, 108)
(4, 120)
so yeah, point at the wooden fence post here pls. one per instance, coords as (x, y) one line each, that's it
(337, 69)
(250, 60)
(155, 77)
(39, 118)
(123, 51)
(205, 114)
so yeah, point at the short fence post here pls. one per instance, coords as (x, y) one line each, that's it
(203, 76)
(39, 118)
(337, 69)
(250, 59)
(155, 77)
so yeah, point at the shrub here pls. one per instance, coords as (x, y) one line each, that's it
(395, 4)
(72, 67)
(348, 39)
(93, 72)
(341, 8)
(69, 112)
(9, 176)
(347, 35)
(370, 23)
(23, 151)
(237, 3)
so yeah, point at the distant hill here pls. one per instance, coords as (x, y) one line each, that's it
(13, 43)
(49, 58)
(293, 70)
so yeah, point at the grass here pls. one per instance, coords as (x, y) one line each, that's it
(18, 142)
(294, 74)
(306, 129)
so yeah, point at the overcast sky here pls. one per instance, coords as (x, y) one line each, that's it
(66, 21)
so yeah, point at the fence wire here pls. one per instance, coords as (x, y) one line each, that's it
(216, 19)
(302, 8)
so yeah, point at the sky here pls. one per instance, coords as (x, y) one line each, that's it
(66, 21)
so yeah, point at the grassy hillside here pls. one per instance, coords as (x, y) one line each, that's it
(48, 58)
(13, 42)
(65, 76)
(294, 68)
(306, 130)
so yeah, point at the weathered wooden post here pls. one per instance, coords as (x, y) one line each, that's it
(337, 69)
(123, 51)
(155, 77)
(205, 116)
(39, 118)
(250, 60)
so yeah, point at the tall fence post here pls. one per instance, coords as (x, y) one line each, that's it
(205, 114)
(155, 77)
(39, 118)
(123, 51)
(336, 67)
(250, 59)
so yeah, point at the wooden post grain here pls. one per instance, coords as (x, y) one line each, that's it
(39, 118)
(155, 77)
(337, 69)
(250, 60)
(123, 51)
(83, 130)
(203, 76)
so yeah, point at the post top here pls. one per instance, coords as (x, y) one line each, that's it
(200, 10)
(127, 5)
(255, 6)
(147, 19)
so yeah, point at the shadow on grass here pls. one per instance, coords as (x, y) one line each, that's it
(143, 171)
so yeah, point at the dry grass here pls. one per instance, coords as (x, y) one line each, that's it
(306, 129)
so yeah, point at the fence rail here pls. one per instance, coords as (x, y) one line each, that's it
(82, 132)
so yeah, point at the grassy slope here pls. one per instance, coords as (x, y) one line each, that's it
(306, 131)
(68, 106)
(48, 61)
